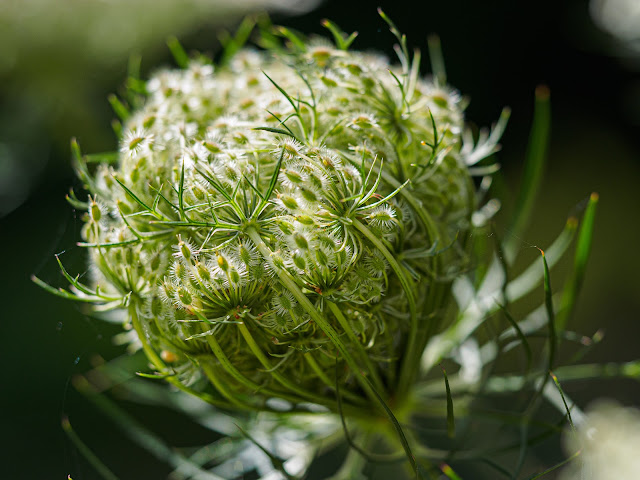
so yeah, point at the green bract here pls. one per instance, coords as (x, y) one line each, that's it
(287, 222)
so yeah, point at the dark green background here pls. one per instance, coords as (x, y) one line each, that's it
(495, 52)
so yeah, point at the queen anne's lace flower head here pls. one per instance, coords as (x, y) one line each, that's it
(286, 221)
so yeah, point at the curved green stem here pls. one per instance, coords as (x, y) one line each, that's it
(157, 362)
(327, 381)
(259, 354)
(284, 381)
(222, 387)
(322, 322)
(408, 367)
(237, 375)
(428, 223)
(373, 372)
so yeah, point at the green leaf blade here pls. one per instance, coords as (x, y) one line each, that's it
(178, 52)
(551, 317)
(583, 248)
(451, 423)
(533, 170)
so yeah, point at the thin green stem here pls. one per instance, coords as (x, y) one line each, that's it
(142, 436)
(308, 396)
(86, 452)
(430, 226)
(322, 322)
(236, 374)
(327, 381)
(373, 372)
(408, 369)
(157, 362)
(222, 387)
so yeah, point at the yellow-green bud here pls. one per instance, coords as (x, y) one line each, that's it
(95, 212)
(301, 241)
(289, 202)
(185, 296)
(298, 260)
(222, 263)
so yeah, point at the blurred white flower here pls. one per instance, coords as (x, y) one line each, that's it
(609, 440)
(620, 18)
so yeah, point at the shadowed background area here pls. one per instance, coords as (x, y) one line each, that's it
(60, 60)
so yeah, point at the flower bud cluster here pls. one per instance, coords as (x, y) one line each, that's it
(255, 201)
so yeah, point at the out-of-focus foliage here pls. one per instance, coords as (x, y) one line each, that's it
(58, 57)
(101, 32)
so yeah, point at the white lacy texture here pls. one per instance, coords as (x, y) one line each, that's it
(610, 442)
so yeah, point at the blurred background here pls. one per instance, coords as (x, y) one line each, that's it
(59, 59)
